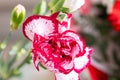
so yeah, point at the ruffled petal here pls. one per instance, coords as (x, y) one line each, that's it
(81, 62)
(78, 39)
(42, 25)
(65, 24)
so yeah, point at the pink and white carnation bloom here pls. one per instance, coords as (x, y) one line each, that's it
(62, 51)
(44, 25)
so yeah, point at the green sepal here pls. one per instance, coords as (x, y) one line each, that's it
(65, 10)
(57, 6)
(61, 16)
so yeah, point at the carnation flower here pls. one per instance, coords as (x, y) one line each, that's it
(59, 49)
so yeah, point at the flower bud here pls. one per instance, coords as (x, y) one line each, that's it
(17, 16)
(73, 5)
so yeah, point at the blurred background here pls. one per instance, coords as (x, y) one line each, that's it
(98, 22)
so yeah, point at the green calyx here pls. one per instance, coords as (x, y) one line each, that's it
(61, 17)
(57, 6)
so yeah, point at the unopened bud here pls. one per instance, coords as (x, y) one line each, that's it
(17, 16)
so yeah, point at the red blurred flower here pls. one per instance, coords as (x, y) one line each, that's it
(114, 16)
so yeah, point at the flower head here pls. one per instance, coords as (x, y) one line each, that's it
(55, 46)
(57, 51)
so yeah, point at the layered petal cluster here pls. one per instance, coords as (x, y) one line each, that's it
(59, 49)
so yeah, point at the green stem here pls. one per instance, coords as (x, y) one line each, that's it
(24, 61)
(56, 5)
(15, 51)
(20, 65)
(3, 44)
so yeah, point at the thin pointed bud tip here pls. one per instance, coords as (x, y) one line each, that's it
(20, 9)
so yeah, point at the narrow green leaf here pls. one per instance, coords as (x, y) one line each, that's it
(3, 44)
(13, 53)
(56, 5)
(16, 72)
(52, 3)
(41, 8)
